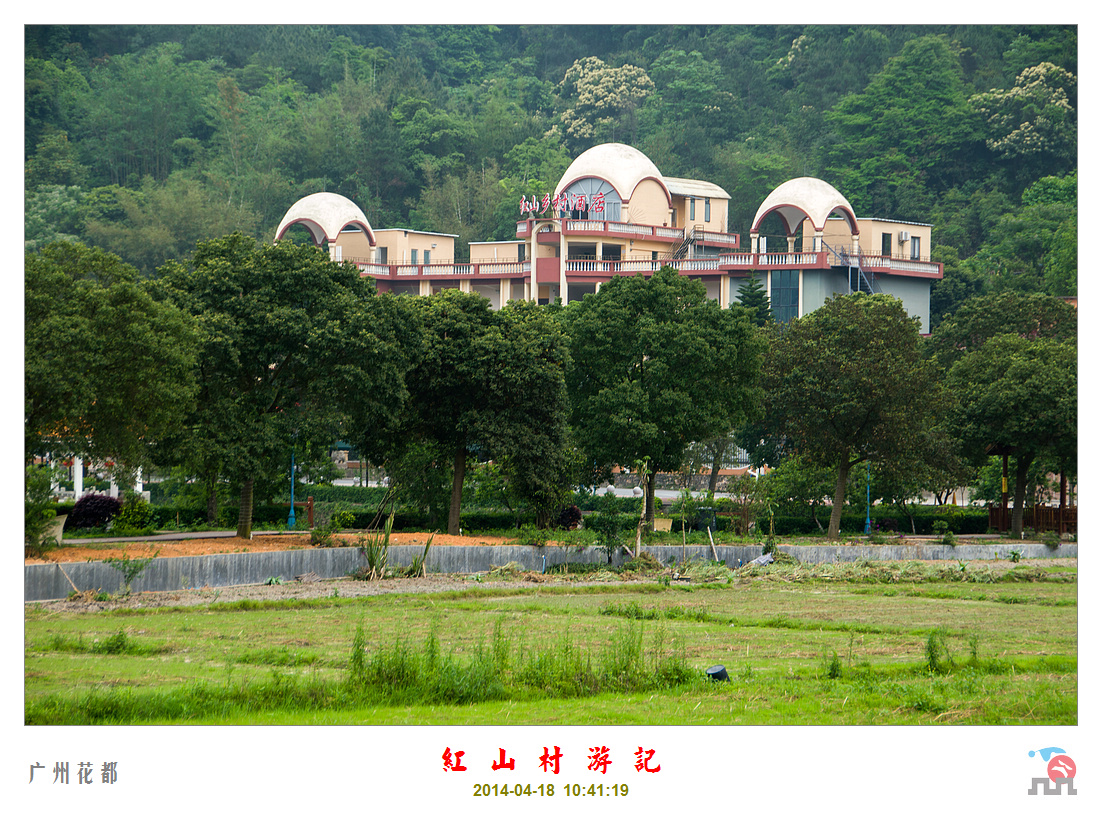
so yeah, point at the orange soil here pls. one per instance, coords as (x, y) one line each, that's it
(213, 546)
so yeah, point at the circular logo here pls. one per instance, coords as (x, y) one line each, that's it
(1061, 766)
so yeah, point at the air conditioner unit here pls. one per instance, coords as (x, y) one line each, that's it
(904, 236)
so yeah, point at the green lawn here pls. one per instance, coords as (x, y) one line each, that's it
(802, 645)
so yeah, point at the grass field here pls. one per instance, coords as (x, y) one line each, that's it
(802, 645)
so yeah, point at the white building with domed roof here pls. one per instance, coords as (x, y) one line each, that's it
(614, 213)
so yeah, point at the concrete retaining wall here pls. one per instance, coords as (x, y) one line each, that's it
(42, 582)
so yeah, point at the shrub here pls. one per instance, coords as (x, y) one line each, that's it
(135, 516)
(93, 511)
(130, 568)
(38, 510)
(569, 517)
(322, 535)
(533, 536)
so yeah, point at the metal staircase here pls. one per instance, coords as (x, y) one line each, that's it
(858, 279)
(682, 250)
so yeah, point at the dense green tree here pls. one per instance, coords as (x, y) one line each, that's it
(1018, 394)
(753, 298)
(140, 108)
(296, 351)
(912, 121)
(959, 283)
(798, 486)
(55, 162)
(52, 213)
(491, 381)
(528, 378)
(164, 220)
(656, 365)
(689, 89)
(849, 383)
(982, 318)
(464, 203)
(749, 175)
(108, 369)
(52, 89)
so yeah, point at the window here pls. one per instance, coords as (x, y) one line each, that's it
(692, 207)
(916, 247)
(886, 244)
(707, 209)
(520, 251)
(413, 257)
(784, 295)
(426, 257)
(380, 254)
(595, 190)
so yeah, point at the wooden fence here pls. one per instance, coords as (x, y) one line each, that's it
(1038, 518)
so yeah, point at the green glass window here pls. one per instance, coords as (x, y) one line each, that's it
(784, 295)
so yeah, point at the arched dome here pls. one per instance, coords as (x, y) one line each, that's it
(805, 197)
(622, 166)
(325, 215)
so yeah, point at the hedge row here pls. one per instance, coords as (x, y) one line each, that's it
(960, 520)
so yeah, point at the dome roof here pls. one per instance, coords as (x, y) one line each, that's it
(622, 166)
(325, 215)
(805, 196)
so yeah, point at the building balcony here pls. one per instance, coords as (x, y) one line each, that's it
(443, 270)
(626, 230)
(724, 263)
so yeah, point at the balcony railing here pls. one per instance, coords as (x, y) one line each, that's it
(446, 270)
(664, 233)
(883, 263)
(703, 237)
(724, 262)
(751, 261)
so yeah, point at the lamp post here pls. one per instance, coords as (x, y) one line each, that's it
(291, 516)
(868, 498)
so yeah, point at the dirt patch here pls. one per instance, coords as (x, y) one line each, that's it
(70, 552)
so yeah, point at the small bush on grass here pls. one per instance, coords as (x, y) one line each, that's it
(938, 659)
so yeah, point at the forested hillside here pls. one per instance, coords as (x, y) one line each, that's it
(142, 140)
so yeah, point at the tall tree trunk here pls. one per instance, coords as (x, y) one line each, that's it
(212, 504)
(459, 468)
(648, 496)
(1022, 465)
(717, 463)
(245, 511)
(835, 526)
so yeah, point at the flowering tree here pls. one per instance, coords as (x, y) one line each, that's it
(1035, 119)
(602, 98)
